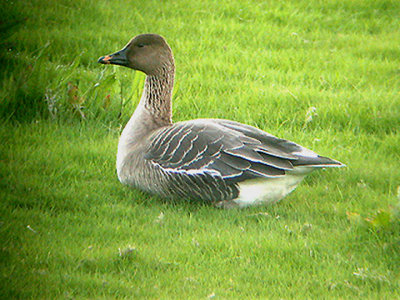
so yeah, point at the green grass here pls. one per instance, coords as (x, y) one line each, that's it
(69, 229)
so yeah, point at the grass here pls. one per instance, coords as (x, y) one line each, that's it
(322, 73)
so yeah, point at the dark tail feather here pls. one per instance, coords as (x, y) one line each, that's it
(318, 162)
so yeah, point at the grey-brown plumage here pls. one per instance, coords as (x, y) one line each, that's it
(210, 160)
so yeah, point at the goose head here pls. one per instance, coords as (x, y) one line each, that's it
(148, 53)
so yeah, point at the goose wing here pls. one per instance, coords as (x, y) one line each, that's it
(226, 149)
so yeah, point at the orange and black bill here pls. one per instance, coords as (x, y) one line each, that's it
(117, 58)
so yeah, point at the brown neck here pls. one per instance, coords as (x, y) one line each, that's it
(157, 94)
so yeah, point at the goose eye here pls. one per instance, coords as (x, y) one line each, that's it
(140, 45)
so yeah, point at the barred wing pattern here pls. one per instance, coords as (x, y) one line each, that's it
(202, 152)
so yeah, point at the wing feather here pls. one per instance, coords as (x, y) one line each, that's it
(235, 162)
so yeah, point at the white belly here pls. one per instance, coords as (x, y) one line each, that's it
(268, 190)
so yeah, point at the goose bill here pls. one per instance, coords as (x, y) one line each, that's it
(117, 58)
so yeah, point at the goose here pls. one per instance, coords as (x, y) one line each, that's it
(217, 161)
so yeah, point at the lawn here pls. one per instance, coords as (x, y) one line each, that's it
(324, 74)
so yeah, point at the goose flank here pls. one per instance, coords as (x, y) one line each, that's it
(222, 162)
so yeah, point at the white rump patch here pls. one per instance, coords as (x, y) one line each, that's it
(268, 190)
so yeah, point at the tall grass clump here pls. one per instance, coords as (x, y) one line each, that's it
(39, 81)
(36, 88)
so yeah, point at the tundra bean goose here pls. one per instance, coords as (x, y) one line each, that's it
(217, 161)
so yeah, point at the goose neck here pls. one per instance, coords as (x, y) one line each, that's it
(157, 94)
